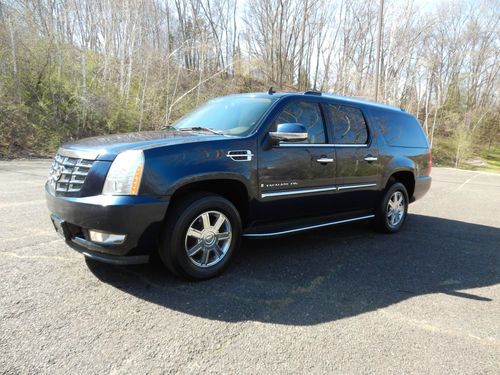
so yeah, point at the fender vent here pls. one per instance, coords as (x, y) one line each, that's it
(240, 155)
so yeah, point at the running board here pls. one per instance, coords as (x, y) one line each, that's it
(300, 229)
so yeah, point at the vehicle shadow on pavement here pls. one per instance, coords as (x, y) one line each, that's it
(327, 274)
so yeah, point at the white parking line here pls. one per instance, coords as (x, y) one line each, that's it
(465, 183)
(468, 171)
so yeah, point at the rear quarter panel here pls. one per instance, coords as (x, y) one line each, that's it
(399, 158)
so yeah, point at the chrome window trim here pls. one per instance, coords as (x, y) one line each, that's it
(283, 144)
(89, 155)
(307, 227)
(349, 145)
(294, 192)
(345, 187)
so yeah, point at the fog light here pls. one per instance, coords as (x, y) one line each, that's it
(106, 238)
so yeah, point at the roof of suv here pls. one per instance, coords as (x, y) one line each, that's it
(345, 99)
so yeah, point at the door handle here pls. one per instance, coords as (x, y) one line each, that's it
(371, 158)
(324, 160)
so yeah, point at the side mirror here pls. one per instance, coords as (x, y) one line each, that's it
(289, 132)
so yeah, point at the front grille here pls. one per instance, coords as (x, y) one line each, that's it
(67, 175)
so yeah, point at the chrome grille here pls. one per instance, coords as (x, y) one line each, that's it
(67, 174)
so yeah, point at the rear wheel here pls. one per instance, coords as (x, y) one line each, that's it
(393, 209)
(201, 234)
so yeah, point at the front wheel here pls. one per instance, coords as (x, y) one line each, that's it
(200, 236)
(392, 210)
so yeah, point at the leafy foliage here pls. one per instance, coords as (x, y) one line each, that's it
(73, 69)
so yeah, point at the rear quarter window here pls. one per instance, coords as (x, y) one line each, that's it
(400, 129)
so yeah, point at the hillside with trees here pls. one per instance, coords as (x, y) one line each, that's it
(76, 68)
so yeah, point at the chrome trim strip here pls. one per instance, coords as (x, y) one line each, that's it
(344, 187)
(307, 228)
(283, 144)
(348, 145)
(288, 136)
(294, 192)
(89, 155)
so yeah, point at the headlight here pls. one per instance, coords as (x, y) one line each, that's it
(124, 176)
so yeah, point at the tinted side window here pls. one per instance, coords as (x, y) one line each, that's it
(307, 114)
(349, 126)
(400, 129)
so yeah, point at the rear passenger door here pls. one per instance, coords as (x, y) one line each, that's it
(357, 168)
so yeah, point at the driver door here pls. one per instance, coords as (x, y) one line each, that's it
(297, 180)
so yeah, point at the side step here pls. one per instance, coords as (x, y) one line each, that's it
(304, 228)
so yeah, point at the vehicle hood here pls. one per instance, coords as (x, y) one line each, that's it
(107, 147)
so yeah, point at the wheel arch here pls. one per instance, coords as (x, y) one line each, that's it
(229, 187)
(404, 176)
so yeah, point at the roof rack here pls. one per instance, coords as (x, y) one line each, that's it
(312, 92)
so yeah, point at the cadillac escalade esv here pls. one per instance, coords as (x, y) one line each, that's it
(248, 165)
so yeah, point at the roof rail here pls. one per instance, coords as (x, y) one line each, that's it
(312, 92)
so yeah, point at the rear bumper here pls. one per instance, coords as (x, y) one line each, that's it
(422, 186)
(139, 218)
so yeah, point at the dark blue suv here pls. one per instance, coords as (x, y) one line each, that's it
(249, 165)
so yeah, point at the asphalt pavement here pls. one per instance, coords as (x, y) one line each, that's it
(338, 300)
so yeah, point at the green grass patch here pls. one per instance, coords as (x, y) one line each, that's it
(492, 159)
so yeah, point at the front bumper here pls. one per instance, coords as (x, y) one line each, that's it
(140, 218)
(82, 246)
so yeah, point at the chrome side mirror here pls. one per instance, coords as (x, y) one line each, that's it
(289, 132)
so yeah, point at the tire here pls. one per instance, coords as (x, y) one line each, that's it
(206, 225)
(391, 215)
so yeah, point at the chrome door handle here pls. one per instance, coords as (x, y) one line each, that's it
(371, 158)
(324, 160)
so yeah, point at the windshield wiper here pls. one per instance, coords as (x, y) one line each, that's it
(201, 128)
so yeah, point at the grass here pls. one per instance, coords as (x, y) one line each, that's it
(492, 159)
(477, 159)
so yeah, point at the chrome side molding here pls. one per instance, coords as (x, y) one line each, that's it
(314, 190)
(294, 192)
(344, 187)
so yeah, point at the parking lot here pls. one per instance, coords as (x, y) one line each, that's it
(337, 300)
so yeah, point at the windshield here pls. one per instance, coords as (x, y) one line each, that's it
(230, 115)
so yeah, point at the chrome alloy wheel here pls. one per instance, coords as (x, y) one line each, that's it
(208, 239)
(395, 209)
